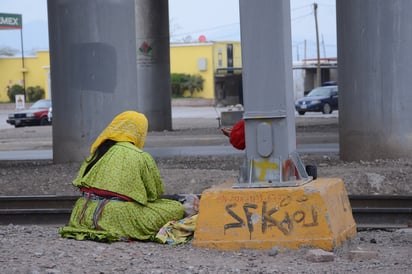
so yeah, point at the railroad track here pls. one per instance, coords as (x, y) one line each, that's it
(382, 211)
(369, 211)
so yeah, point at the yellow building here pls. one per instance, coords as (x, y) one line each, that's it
(36, 73)
(214, 61)
(211, 60)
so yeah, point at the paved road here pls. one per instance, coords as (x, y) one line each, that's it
(47, 154)
(191, 114)
(30, 143)
(209, 113)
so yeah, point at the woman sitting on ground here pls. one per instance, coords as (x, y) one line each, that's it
(121, 187)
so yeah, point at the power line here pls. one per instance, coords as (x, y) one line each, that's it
(302, 16)
(302, 7)
(206, 29)
(327, 4)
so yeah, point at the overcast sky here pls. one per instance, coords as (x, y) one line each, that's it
(218, 20)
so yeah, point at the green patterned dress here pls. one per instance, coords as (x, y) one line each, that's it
(130, 172)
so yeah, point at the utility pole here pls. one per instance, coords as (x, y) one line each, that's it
(304, 52)
(297, 52)
(315, 9)
(323, 47)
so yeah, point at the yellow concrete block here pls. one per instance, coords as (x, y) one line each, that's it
(317, 214)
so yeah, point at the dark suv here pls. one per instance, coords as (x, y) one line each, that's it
(324, 99)
(34, 116)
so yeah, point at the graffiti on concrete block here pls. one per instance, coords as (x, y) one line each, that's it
(270, 216)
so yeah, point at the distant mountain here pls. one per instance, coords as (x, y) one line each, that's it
(35, 37)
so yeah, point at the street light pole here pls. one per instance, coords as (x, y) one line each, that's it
(22, 61)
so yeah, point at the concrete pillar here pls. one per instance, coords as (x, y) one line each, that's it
(96, 71)
(267, 86)
(153, 62)
(374, 59)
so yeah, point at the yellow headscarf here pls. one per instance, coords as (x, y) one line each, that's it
(128, 126)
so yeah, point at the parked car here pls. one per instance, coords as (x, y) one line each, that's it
(324, 99)
(34, 116)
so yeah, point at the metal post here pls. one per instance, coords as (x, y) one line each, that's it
(269, 114)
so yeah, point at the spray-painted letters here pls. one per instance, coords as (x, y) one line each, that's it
(282, 215)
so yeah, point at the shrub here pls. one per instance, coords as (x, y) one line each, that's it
(35, 93)
(13, 91)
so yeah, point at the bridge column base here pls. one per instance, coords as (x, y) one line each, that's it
(317, 214)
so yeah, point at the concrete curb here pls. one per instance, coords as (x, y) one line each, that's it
(179, 102)
(192, 102)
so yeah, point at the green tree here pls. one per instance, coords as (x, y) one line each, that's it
(193, 83)
(182, 82)
(177, 80)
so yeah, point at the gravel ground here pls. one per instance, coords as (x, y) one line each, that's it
(193, 174)
(39, 249)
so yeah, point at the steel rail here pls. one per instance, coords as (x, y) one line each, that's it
(369, 211)
(382, 211)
